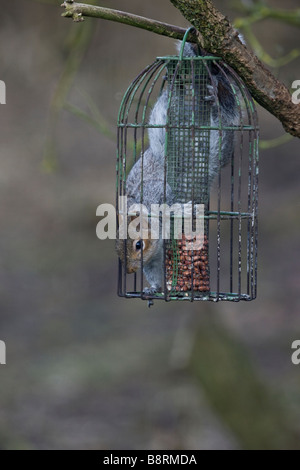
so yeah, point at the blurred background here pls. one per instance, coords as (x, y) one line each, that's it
(86, 369)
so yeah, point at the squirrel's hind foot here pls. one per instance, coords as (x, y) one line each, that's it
(151, 290)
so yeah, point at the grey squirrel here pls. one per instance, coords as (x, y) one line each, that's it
(152, 185)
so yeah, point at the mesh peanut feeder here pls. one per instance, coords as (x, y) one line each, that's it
(196, 126)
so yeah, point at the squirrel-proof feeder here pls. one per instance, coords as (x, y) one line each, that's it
(188, 135)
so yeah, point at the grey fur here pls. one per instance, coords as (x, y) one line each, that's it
(153, 270)
(158, 117)
(152, 182)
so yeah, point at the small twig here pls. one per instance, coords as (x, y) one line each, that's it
(80, 42)
(260, 12)
(274, 143)
(259, 50)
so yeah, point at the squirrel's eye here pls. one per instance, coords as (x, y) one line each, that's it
(139, 244)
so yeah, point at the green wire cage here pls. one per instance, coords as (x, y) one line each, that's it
(209, 158)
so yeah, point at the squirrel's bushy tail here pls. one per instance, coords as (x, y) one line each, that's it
(158, 116)
(223, 109)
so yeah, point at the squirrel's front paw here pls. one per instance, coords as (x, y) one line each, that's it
(211, 94)
(151, 290)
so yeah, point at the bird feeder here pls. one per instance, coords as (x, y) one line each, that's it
(224, 268)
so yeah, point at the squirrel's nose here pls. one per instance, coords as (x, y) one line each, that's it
(130, 270)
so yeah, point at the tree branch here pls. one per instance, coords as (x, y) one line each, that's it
(78, 11)
(220, 38)
(216, 35)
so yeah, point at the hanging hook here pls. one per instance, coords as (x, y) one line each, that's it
(184, 41)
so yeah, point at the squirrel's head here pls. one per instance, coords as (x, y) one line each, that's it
(131, 251)
(134, 250)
